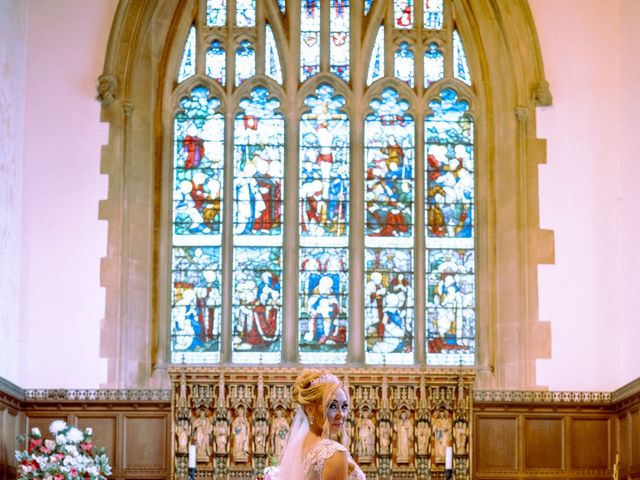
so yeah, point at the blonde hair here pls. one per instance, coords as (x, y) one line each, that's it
(309, 389)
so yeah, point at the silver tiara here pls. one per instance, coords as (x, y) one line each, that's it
(324, 378)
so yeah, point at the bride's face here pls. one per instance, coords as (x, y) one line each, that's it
(337, 412)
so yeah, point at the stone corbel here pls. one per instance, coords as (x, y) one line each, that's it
(542, 94)
(107, 86)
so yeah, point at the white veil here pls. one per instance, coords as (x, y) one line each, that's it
(291, 461)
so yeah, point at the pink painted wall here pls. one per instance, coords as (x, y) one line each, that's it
(13, 67)
(63, 303)
(588, 193)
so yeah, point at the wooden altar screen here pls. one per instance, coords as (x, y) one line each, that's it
(400, 423)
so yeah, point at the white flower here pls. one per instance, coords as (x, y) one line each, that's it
(71, 450)
(35, 431)
(93, 471)
(26, 469)
(50, 444)
(88, 431)
(61, 439)
(57, 426)
(74, 435)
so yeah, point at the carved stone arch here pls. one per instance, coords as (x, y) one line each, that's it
(463, 91)
(244, 90)
(376, 88)
(508, 81)
(339, 86)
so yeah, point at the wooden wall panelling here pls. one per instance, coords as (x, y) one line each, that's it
(146, 445)
(544, 443)
(105, 433)
(591, 443)
(11, 425)
(496, 444)
(634, 444)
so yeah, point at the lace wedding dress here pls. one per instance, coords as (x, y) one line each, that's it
(323, 450)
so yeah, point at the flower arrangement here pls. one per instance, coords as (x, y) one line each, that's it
(70, 455)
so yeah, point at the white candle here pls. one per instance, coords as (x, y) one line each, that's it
(192, 456)
(448, 459)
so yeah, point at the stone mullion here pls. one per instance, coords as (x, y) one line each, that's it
(324, 35)
(291, 241)
(447, 47)
(356, 196)
(260, 36)
(227, 240)
(419, 322)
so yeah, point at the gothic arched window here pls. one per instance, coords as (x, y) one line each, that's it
(331, 181)
(268, 117)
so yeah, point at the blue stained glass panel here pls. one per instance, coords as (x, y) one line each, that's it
(339, 38)
(245, 62)
(309, 38)
(258, 166)
(215, 62)
(257, 305)
(389, 304)
(216, 13)
(282, 4)
(367, 6)
(433, 65)
(198, 163)
(403, 13)
(450, 167)
(451, 326)
(324, 169)
(196, 305)
(376, 64)
(188, 63)
(433, 14)
(246, 13)
(323, 305)
(271, 57)
(404, 64)
(460, 65)
(389, 157)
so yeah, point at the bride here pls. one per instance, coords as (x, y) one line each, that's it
(312, 452)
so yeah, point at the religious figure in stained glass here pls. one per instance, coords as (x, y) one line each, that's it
(309, 38)
(449, 168)
(245, 62)
(450, 307)
(339, 38)
(323, 304)
(216, 62)
(389, 140)
(198, 165)
(403, 11)
(259, 154)
(196, 304)
(404, 64)
(257, 304)
(389, 305)
(324, 165)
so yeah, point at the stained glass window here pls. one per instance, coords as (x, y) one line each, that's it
(339, 38)
(271, 58)
(309, 38)
(433, 64)
(404, 64)
(216, 62)
(389, 219)
(449, 234)
(367, 6)
(197, 203)
(216, 13)
(433, 14)
(245, 62)
(257, 229)
(403, 13)
(376, 64)
(324, 207)
(460, 66)
(246, 13)
(237, 136)
(188, 64)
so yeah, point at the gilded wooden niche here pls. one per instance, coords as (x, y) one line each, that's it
(400, 423)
